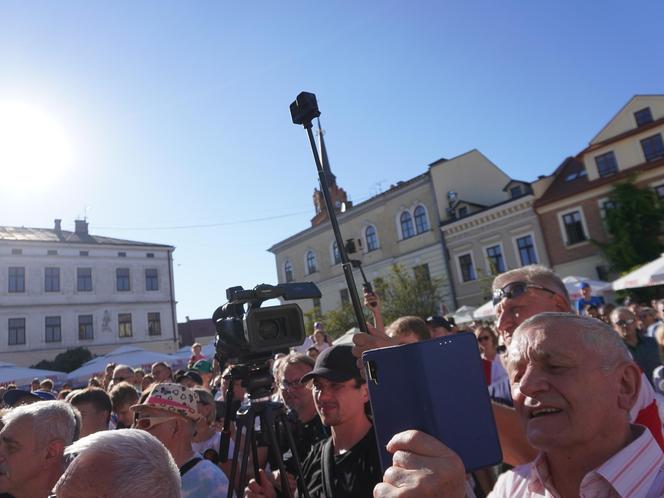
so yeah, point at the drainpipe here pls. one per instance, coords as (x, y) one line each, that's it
(172, 296)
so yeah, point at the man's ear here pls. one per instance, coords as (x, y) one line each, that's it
(629, 376)
(54, 451)
(561, 303)
(365, 392)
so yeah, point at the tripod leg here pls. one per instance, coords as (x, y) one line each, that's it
(247, 443)
(283, 420)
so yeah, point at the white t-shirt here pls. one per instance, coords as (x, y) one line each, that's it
(204, 480)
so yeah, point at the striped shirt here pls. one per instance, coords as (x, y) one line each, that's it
(636, 471)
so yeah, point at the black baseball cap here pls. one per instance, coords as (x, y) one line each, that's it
(336, 364)
(439, 321)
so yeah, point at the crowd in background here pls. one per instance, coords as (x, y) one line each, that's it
(132, 432)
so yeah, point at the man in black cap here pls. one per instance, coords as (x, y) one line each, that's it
(346, 464)
(439, 326)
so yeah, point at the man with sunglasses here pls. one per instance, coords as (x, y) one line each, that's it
(170, 413)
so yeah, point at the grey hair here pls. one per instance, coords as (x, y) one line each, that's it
(51, 420)
(293, 359)
(534, 274)
(618, 310)
(135, 463)
(597, 336)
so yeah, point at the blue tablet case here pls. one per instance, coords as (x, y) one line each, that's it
(438, 387)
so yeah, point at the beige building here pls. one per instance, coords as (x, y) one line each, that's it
(61, 290)
(488, 224)
(572, 208)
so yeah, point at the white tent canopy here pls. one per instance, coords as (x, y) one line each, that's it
(573, 286)
(464, 314)
(347, 338)
(22, 376)
(484, 312)
(127, 355)
(648, 275)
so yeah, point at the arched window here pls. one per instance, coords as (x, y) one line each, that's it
(288, 270)
(336, 255)
(407, 229)
(371, 238)
(312, 267)
(421, 222)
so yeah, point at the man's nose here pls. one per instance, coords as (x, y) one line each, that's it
(532, 382)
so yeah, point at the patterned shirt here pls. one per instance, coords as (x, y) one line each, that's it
(636, 471)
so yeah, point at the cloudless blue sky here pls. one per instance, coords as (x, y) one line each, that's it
(178, 111)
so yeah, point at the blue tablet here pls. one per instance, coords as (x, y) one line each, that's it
(438, 387)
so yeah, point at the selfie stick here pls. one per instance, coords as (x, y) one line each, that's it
(303, 111)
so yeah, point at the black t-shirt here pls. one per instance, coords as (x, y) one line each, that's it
(354, 473)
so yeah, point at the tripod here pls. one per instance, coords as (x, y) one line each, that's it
(272, 419)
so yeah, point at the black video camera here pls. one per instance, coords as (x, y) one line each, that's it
(246, 332)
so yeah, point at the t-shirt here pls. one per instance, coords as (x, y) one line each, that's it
(646, 355)
(204, 480)
(354, 473)
(596, 301)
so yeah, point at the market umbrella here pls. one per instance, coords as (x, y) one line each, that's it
(22, 376)
(484, 312)
(648, 275)
(464, 314)
(573, 286)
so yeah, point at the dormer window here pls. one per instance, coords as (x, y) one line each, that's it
(515, 191)
(643, 117)
(462, 212)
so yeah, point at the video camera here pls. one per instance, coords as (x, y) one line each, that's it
(247, 333)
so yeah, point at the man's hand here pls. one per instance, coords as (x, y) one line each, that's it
(422, 467)
(263, 490)
(373, 340)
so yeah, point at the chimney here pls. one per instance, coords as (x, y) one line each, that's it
(58, 227)
(81, 227)
(186, 318)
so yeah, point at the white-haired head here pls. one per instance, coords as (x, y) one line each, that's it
(51, 420)
(117, 464)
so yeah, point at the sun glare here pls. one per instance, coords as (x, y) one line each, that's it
(34, 147)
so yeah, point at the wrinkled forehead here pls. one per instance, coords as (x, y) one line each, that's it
(539, 341)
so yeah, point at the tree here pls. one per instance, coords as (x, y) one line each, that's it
(68, 361)
(634, 222)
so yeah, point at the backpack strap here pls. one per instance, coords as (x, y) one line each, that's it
(327, 467)
(189, 465)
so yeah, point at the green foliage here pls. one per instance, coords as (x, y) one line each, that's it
(68, 361)
(634, 225)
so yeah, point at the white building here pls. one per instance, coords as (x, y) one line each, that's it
(60, 290)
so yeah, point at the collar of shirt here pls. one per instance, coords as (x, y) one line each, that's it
(634, 470)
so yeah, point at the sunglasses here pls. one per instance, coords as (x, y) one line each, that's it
(514, 290)
(624, 323)
(483, 338)
(296, 384)
(145, 423)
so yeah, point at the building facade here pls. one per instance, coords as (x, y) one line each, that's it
(60, 290)
(571, 210)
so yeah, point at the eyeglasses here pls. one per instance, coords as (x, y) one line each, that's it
(514, 290)
(624, 323)
(119, 379)
(483, 338)
(145, 423)
(296, 384)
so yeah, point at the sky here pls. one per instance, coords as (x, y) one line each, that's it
(168, 122)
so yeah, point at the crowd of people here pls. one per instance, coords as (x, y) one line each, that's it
(575, 390)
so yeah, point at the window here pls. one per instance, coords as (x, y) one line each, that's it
(653, 148)
(371, 237)
(421, 273)
(149, 255)
(515, 191)
(154, 323)
(85, 331)
(407, 229)
(605, 206)
(494, 255)
(17, 252)
(574, 228)
(16, 279)
(122, 255)
(642, 117)
(316, 303)
(421, 222)
(122, 279)
(151, 279)
(345, 297)
(576, 174)
(124, 325)
(84, 279)
(52, 252)
(52, 280)
(336, 255)
(83, 253)
(288, 271)
(526, 248)
(462, 212)
(16, 331)
(467, 268)
(606, 164)
(659, 190)
(312, 267)
(53, 329)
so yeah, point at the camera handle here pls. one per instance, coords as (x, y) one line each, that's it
(345, 262)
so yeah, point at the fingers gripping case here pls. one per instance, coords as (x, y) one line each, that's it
(438, 387)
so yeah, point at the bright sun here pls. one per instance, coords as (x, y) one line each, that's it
(34, 147)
